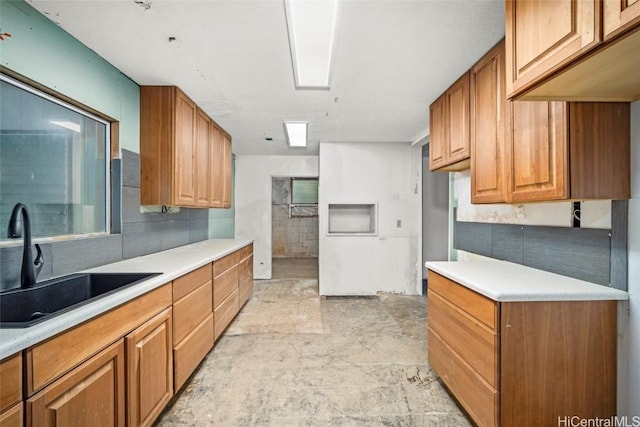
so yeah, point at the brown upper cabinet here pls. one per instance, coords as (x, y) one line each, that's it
(570, 150)
(528, 151)
(489, 128)
(449, 146)
(179, 156)
(566, 50)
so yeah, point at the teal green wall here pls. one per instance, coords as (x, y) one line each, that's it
(222, 221)
(43, 52)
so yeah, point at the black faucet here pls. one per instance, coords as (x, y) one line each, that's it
(28, 275)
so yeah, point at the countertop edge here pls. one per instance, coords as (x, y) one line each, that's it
(566, 289)
(14, 340)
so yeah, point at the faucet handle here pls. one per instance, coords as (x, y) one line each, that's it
(39, 261)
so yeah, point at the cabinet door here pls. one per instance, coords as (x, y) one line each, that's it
(92, 394)
(216, 156)
(149, 369)
(438, 131)
(539, 146)
(226, 171)
(184, 146)
(543, 35)
(619, 15)
(489, 113)
(12, 417)
(202, 159)
(458, 120)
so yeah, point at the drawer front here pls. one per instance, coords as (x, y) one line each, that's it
(245, 270)
(245, 291)
(479, 306)
(225, 312)
(13, 417)
(245, 252)
(191, 310)
(191, 281)
(52, 358)
(10, 381)
(471, 339)
(478, 398)
(190, 352)
(224, 285)
(225, 263)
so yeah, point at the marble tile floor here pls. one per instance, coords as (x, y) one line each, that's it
(293, 358)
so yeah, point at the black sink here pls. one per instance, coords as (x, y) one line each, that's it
(24, 307)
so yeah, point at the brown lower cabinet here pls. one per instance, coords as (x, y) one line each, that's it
(122, 367)
(92, 394)
(522, 363)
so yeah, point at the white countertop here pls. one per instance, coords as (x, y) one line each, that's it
(171, 263)
(506, 281)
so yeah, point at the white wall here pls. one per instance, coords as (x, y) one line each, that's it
(253, 200)
(634, 266)
(365, 172)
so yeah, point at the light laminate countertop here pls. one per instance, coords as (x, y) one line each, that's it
(171, 263)
(506, 281)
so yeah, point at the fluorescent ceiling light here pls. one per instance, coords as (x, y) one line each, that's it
(311, 25)
(69, 125)
(296, 133)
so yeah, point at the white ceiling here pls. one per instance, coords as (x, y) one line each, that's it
(392, 58)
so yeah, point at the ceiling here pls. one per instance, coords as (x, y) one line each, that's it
(392, 58)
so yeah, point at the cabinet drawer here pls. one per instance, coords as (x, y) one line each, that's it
(245, 291)
(224, 285)
(225, 263)
(191, 310)
(10, 381)
(479, 306)
(13, 416)
(472, 340)
(245, 252)
(478, 398)
(225, 312)
(245, 270)
(189, 353)
(52, 358)
(187, 283)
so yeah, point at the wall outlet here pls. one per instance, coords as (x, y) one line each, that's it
(399, 223)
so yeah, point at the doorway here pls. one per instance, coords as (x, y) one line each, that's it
(294, 227)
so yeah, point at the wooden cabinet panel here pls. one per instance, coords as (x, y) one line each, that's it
(619, 15)
(190, 352)
(557, 358)
(490, 123)
(476, 396)
(245, 270)
(191, 281)
(449, 144)
(245, 251)
(185, 157)
(13, 417)
(539, 168)
(225, 312)
(50, 359)
(216, 162)
(245, 290)
(149, 352)
(542, 36)
(223, 264)
(478, 306)
(226, 171)
(224, 285)
(191, 311)
(458, 120)
(202, 169)
(473, 341)
(185, 150)
(10, 381)
(92, 394)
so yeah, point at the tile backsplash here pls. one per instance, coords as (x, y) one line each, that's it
(142, 234)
